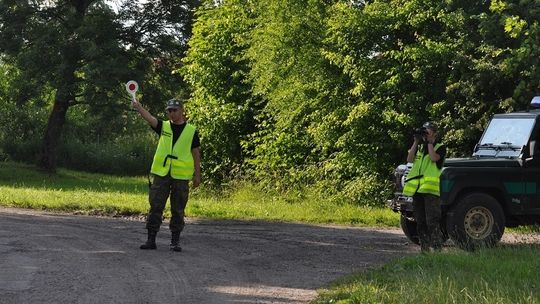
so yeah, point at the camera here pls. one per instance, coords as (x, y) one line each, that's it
(420, 133)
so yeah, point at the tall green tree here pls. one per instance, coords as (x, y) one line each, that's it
(298, 131)
(340, 85)
(399, 61)
(496, 70)
(222, 105)
(82, 50)
(453, 62)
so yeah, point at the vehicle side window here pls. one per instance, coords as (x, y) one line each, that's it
(533, 148)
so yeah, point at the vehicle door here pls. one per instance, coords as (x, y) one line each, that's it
(531, 176)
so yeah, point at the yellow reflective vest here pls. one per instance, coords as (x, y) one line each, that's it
(424, 176)
(176, 159)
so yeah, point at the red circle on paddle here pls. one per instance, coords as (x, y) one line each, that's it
(132, 87)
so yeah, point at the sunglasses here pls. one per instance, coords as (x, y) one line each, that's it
(172, 110)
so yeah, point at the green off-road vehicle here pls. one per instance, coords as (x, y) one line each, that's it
(498, 187)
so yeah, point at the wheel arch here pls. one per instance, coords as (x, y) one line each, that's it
(496, 193)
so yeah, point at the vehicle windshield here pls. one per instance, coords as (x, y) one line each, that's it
(508, 131)
(506, 136)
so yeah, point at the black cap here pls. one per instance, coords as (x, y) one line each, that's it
(430, 125)
(174, 104)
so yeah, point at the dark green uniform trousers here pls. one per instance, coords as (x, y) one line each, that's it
(427, 213)
(161, 189)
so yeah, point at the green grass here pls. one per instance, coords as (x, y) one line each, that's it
(507, 274)
(71, 191)
(25, 187)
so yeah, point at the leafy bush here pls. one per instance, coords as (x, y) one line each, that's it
(127, 155)
(21, 150)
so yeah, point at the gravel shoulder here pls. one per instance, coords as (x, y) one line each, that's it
(57, 258)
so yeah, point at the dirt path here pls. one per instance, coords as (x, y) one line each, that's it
(48, 258)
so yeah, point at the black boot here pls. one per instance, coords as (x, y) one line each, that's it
(175, 241)
(151, 242)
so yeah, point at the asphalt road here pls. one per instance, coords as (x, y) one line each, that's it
(51, 258)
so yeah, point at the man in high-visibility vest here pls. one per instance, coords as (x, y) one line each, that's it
(423, 184)
(176, 161)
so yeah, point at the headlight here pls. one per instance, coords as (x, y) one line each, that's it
(400, 175)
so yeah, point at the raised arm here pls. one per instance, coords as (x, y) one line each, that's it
(144, 113)
(430, 138)
(412, 151)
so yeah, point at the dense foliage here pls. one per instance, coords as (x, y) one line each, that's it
(336, 87)
(69, 59)
(321, 94)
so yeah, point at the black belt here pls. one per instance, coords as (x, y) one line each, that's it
(413, 178)
(167, 157)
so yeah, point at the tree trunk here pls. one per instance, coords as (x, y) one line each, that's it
(64, 95)
(66, 91)
(48, 156)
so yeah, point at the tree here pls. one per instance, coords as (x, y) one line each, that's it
(82, 50)
(298, 128)
(338, 86)
(222, 105)
(398, 62)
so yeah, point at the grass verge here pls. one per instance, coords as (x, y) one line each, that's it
(507, 274)
(71, 191)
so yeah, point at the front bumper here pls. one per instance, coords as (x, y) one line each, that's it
(401, 203)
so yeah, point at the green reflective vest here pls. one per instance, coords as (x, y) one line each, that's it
(176, 159)
(424, 176)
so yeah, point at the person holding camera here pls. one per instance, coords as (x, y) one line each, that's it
(423, 185)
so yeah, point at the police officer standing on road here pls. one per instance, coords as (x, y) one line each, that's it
(176, 162)
(423, 184)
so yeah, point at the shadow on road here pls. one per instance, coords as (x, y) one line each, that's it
(53, 259)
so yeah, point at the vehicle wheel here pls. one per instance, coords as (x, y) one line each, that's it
(477, 220)
(409, 228)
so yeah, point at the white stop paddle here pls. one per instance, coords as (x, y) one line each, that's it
(131, 87)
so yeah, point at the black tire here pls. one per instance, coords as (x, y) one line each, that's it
(477, 220)
(410, 231)
(409, 228)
